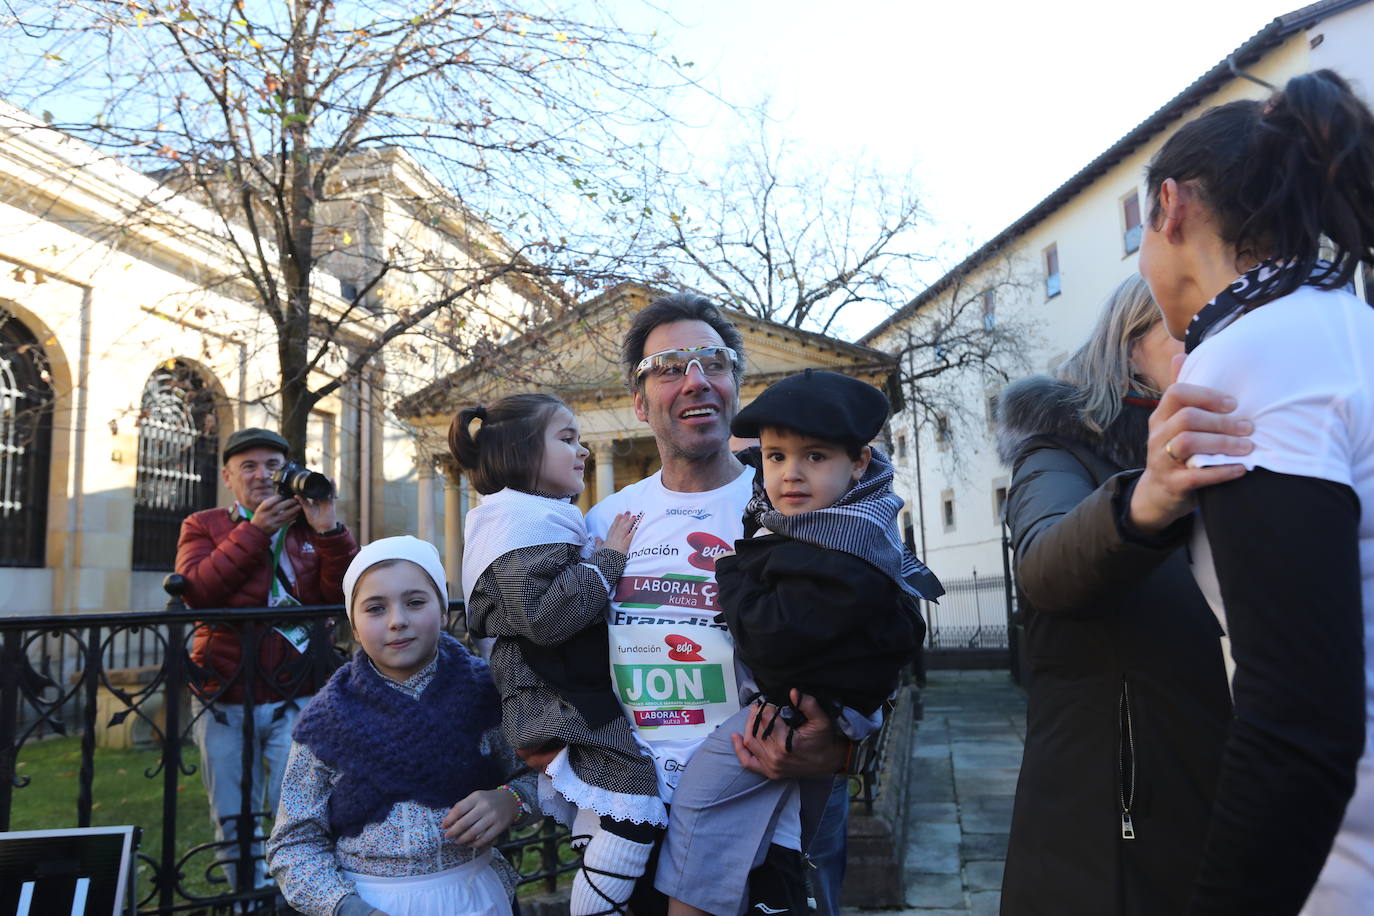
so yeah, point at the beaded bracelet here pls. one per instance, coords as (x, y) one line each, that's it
(522, 807)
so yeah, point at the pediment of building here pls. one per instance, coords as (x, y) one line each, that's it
(577, 358)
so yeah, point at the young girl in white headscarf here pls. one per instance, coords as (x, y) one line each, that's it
(531, 589)
(398, 781)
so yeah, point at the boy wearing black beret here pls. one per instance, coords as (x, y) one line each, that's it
(821, 600)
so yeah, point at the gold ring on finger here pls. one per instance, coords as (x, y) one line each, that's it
(1169, 450)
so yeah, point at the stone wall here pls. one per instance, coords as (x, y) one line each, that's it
(877, 841)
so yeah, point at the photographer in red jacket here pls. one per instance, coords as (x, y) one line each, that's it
(267, 550)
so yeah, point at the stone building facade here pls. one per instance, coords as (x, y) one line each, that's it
(130, 347)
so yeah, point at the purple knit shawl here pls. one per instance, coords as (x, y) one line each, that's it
(389, 747)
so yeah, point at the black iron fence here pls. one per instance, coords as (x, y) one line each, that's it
(972, 614)
(131, 681)
(122, 680)
(977, 612)
(873, 755)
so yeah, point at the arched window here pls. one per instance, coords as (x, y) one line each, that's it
(178, 460)
(26, 398)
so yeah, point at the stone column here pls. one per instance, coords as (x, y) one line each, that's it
(605, 469)
(425, 496)
(453, 528)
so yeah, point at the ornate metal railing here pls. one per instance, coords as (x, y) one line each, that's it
(972, 614)
(94, 675)
(178, 460)
(91, 675)
(872, 756)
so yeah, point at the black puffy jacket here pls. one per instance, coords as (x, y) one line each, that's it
(1128, 702)
(822, 621)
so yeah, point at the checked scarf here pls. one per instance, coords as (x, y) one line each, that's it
(862, 523)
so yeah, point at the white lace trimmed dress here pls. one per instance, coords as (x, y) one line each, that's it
(315, 870)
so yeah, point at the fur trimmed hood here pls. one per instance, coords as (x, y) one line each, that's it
(1041, 406)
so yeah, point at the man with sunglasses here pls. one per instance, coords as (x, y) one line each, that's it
(684, 362)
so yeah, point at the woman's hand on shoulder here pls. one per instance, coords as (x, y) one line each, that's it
(480, 819)
(1190, 420)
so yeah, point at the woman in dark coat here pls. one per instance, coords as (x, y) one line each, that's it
(1128, 702)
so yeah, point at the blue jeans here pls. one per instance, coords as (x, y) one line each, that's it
(221, 768)
(829, 847)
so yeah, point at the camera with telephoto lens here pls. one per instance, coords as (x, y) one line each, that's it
(295, 479)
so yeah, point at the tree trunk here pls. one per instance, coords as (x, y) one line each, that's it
(296, 254)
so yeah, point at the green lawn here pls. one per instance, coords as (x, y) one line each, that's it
(121, 793)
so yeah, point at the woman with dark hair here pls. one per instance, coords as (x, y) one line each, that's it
(1260, 214)
(1127, 695)
(536, 587)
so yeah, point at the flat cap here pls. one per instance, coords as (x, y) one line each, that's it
(253, 437)
(823, 404)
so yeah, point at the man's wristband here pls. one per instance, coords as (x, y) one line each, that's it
(336, 530)
(354, 905)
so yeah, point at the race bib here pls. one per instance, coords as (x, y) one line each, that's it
(297, 634)
(674, 681)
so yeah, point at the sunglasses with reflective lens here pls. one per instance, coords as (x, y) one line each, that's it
(671, 365)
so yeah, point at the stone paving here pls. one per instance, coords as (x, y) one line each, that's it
(963, 776)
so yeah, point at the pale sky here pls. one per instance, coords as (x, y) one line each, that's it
(990, 105)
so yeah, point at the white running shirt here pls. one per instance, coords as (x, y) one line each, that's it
(1302, 368)
(670, 580)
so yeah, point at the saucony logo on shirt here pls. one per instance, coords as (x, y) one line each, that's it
(698, 514)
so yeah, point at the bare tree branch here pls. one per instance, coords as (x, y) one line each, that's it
(795, 243)
(528, 122)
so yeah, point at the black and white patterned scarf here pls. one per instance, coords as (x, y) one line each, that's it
(1262, 283)
(862, 523)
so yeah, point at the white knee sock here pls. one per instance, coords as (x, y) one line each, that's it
(585, 826)
(607, 853)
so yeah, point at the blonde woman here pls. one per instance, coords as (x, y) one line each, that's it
(1127, 697)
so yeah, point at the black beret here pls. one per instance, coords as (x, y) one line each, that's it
(823, 404)
(253, 437)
